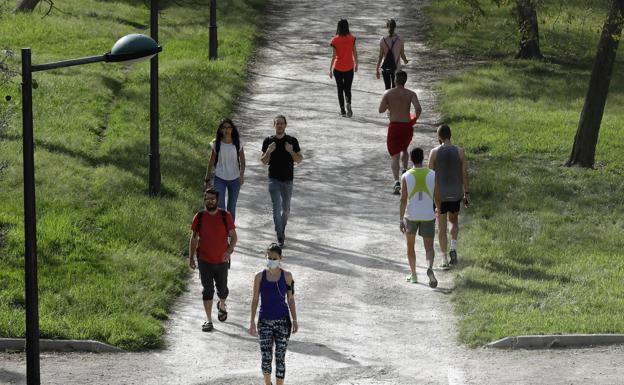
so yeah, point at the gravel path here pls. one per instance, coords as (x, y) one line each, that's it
(360, 322)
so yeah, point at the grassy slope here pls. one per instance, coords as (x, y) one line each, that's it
(109, 256)
(543, 243)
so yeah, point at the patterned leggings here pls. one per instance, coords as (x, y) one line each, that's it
(278, 331)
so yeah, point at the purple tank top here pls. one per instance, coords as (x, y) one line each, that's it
(273, 298)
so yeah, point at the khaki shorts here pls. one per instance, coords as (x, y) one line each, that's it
(425, 229)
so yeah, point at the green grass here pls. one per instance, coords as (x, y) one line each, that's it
(109, 256)
(542, 246)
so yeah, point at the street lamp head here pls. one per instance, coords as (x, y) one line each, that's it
(133, 47)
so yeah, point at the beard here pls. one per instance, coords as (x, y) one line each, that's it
(211, 207)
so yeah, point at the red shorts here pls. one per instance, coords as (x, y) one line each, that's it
(400, 135)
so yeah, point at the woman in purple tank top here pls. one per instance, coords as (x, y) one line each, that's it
(275, 288)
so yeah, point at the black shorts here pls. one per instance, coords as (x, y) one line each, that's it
(211, 275)
(452, 207)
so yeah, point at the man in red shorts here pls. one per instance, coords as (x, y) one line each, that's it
(398, 102)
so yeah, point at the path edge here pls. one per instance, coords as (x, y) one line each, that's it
(556, 341)
(19, 344)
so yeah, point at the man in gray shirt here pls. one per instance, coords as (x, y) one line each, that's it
(451, 171)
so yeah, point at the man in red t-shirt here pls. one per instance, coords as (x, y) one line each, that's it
(213, 241)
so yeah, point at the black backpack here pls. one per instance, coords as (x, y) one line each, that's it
(389, 63)
(200, 214)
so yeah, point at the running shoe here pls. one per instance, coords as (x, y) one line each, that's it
(412, 278)
(349, 111)
(445, 265)
(207, 326)
(453, 255)
(397, 187)
(403, 171)
(343, 113)
(433, 282)
(280, 242)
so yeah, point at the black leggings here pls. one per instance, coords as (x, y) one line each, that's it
(343, 82)
(388, 78)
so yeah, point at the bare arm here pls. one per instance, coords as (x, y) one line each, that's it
(432, 156)
(403, 204)
(291, 301)
(254, 303)
(331, 63)
(266, 157)
(193, 249)
(296, 156)
(241, 158)
(416, 105)
(233, 239)
(383, 106)
(403, 55)
(355, 58)
(210, 168)
(379, 59)
(462, 156)
(437, 198)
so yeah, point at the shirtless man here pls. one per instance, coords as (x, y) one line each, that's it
(398, 102)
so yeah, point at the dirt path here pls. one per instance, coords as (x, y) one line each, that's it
(361, 323)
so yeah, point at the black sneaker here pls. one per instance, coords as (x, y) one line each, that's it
(280, 242)
(453, 255)
(397, 187)
(433, 282)
(403, 171)
(349, 111)
(343, 113)
(207, 326)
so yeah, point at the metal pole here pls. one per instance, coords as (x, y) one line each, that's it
(30, 226)
(154, 155)
(212, 38)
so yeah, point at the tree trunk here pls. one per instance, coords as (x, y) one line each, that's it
(529, 40)
(26, 5)
(584, 148)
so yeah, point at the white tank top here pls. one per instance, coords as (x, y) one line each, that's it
(227, 163)
(420, 185)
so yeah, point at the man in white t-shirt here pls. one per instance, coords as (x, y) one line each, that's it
(418, 194)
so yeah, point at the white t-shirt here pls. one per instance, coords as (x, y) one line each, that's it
(420, 205)
(227, 162)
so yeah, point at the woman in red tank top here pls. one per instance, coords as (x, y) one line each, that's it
(344, 63)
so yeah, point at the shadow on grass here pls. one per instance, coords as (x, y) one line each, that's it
(525, 272)
(497, 288)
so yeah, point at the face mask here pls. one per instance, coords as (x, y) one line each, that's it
(273, 263)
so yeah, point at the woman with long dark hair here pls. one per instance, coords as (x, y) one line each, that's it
(275, 289)
(227, 159)
(344, 63)
(391, 51)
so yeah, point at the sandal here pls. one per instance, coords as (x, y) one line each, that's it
(207, 326)
(222, 316)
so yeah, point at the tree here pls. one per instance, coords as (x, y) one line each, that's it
(26, 5)
(586, 138)
(528, 27)
(525, 14)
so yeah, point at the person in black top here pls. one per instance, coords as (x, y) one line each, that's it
(280, 152)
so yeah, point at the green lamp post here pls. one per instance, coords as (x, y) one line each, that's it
(128, 48)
